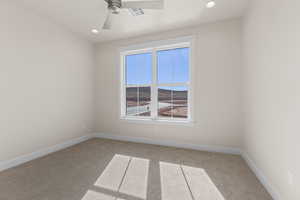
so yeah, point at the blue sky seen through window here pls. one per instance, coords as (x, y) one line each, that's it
(139, 69)
(173, 65)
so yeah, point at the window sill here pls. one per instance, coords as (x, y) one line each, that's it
(157, 121)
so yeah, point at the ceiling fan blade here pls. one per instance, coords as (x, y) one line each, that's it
(108, 21)
(136, 11)
(150, 4)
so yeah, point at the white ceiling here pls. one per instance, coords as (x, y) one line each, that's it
(81, 16)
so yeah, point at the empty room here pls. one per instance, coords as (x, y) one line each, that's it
(149, 99)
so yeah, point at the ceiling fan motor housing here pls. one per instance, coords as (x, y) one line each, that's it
(114, 6)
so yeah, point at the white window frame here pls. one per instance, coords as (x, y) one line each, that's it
(153, 47)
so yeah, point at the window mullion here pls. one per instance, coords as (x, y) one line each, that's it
(123, 87)
(154, 86)
(138, 85)
(172, 105)
(138, 101)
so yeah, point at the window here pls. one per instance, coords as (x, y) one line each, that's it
(156, 82)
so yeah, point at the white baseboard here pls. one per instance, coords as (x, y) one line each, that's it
(28, 157)
(261, 177)
(210, 148)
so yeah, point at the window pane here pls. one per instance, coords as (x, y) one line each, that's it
(139, 69)
(164, 102)
(173, 102)
(144, 101)
(180, 102)
(138, 101)
(131, 101)
(173, 65)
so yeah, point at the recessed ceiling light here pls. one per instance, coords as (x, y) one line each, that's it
(210, 4)
(95, 31)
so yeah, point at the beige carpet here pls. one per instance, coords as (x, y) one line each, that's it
(111, 170)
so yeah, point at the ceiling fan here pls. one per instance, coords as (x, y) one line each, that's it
(134, 7)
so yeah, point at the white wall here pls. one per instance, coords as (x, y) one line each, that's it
(217, 100)
(46, 83)
(47, 88)
(272, 93)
